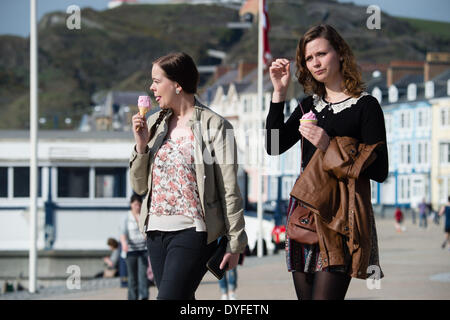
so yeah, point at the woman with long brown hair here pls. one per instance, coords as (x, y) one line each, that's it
(185, 164)
(327, 70)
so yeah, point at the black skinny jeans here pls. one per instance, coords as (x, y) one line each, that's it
(178, 261)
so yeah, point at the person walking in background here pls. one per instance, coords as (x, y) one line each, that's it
(433, 214)
(134, 245)
(398, 220)
(423, 219)
(445, 211)
(185, 163)
(228, 285)
(327, 69)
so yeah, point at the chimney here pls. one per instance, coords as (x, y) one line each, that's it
(436, 63)
(251, 7)
(399, 69)
(220, 71)
(244, 68)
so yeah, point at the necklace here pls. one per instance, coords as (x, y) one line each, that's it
(339, 97)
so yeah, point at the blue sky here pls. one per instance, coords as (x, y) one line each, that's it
(14, 14)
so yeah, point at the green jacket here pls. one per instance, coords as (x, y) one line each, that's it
(215, 156)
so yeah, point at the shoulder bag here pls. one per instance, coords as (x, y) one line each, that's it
(301, 226)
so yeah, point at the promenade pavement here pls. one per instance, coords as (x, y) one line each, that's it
(414, 264)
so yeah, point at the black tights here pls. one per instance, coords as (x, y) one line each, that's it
(321, 285)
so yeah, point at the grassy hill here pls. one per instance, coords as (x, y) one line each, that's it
(115, 48)
(436, 28)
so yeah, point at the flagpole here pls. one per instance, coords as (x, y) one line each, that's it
(32, 269)
(260, 116)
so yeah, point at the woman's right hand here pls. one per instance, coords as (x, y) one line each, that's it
(140, 131)
(280, 75)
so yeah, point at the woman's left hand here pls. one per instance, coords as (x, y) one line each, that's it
(232, 259)
(316, 135)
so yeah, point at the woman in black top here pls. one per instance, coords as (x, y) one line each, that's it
(327, 70)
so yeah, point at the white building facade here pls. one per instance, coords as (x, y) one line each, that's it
(83, 188)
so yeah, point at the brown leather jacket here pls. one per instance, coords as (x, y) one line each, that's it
(332, 187)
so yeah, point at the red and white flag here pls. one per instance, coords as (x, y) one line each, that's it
(267, 56)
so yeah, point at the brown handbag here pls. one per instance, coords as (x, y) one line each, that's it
(301, 226)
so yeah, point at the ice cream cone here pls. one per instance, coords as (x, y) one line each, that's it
(309, 117)
(143, 105)
(143, 110)
(307, 120)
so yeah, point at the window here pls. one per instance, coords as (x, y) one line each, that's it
(21, 179)
(444, 188)
(420, 118)
(388, 123)
(444, 153)
(408, 186)
(422, 153)
(419, 153)
(73, 182)
(405, 153)
(408, 153)
(3, 182)
(405, 120)
(445, 117)
(402, 188)
(423, 116)
(110, 182)
(273, 187)
(405, 186)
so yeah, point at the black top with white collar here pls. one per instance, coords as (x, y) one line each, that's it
(360, 118)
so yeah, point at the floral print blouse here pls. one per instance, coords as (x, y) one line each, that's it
(175, 202)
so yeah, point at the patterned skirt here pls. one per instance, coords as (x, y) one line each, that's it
(303, 257)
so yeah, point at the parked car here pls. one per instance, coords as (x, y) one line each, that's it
(252, 230)
(279, 237)
(279, 230)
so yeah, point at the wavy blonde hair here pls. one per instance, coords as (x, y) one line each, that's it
(349, 69)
